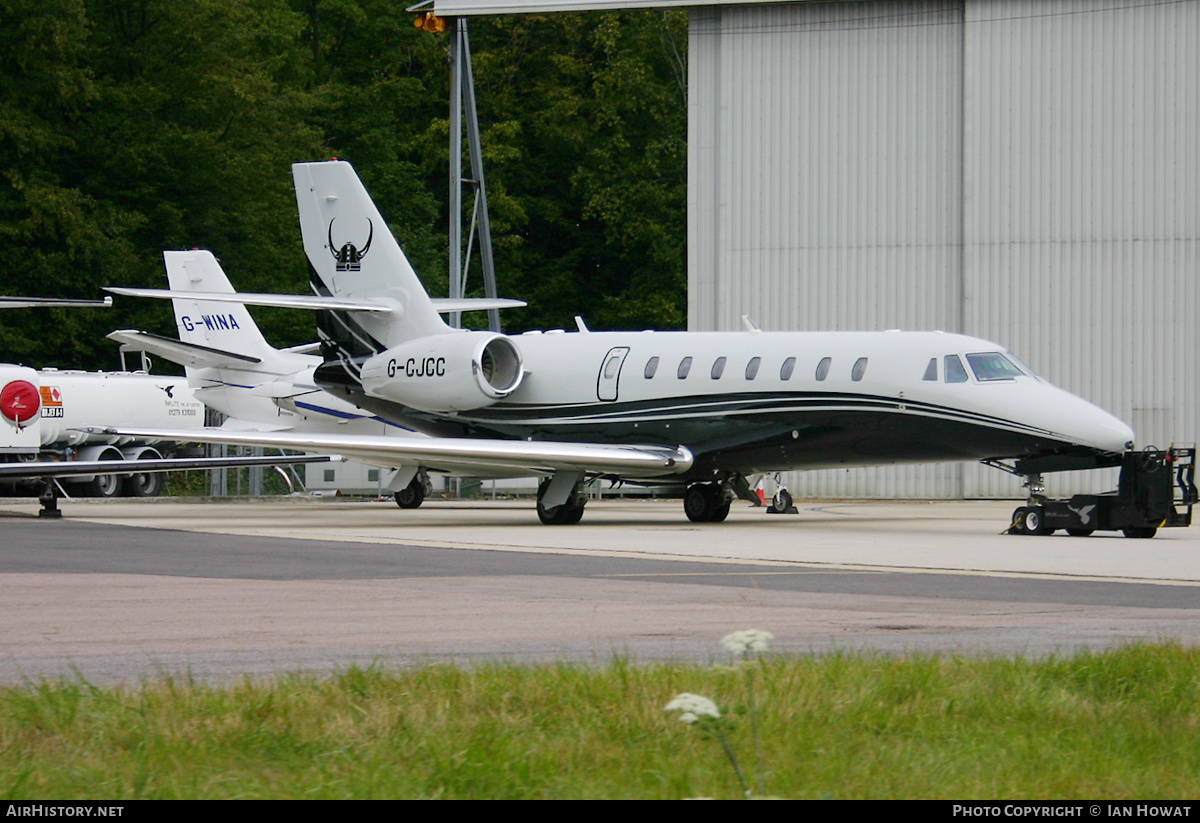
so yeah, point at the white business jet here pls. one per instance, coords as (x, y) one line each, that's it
(697, 409)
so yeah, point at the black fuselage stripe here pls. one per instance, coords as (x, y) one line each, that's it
(686, 408)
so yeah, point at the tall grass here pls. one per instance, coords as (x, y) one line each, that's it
(1118, 724)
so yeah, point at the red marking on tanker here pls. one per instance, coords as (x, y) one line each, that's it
(19, 401)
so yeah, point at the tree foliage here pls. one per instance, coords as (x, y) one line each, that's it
(587, 124)
(133, 126)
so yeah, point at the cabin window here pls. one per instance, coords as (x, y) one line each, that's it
(685, 366)
(931, 370)
(789, 365)
(992, 365)
(651, 367)
(955, 371)
(329, 474)
(718, 368)
(372, 475)
(860, 369)
(752, 367)
(612, 366)
(823, 367)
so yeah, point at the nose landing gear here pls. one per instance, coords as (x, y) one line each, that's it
(1031, 518)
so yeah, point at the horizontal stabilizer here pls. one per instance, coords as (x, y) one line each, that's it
(304, 348)
(177, 351)
(283, 301)
(446, 305)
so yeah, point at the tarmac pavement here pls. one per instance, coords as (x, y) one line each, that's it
(140, 589)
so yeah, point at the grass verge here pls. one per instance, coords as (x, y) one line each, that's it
(1116, 724)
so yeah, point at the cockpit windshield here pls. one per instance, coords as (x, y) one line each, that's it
(994, 365)
(1020, 365)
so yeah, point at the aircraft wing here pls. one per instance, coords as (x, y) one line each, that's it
(181, 352)
(68, 468)
(453, 454)
(38, 302)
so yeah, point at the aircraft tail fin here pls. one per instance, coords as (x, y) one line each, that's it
(352, 254)
(224, 326)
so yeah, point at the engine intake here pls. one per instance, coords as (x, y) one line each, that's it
(446, 372)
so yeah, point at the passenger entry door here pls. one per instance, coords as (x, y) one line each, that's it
(610, 373)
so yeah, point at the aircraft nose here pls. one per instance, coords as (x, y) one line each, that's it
(1092, 426)
(1118, 436)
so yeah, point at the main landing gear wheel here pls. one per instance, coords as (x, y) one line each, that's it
(412, 495)
(568, 514)
(706, 503)
(1080, 532)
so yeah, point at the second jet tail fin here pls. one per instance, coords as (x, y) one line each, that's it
(225, 326)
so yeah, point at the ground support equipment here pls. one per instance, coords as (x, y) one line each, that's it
(1157, 489)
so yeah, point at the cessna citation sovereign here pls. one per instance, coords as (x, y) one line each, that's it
(697, 409)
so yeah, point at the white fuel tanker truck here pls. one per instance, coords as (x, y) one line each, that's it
(40, 408)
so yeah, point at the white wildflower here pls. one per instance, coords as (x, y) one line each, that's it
(693, 707)
(748, 640)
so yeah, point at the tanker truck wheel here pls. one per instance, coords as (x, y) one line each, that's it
(104, 485)
(143, 484)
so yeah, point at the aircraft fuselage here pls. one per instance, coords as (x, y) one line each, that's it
(769, 401)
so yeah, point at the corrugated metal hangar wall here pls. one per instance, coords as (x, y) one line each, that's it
(1027, 171)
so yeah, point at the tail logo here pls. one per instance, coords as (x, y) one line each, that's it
(348, 256)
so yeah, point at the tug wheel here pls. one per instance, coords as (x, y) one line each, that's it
(1140, 532)
(1032, 521)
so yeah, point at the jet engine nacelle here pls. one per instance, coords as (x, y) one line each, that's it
(446, 372)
